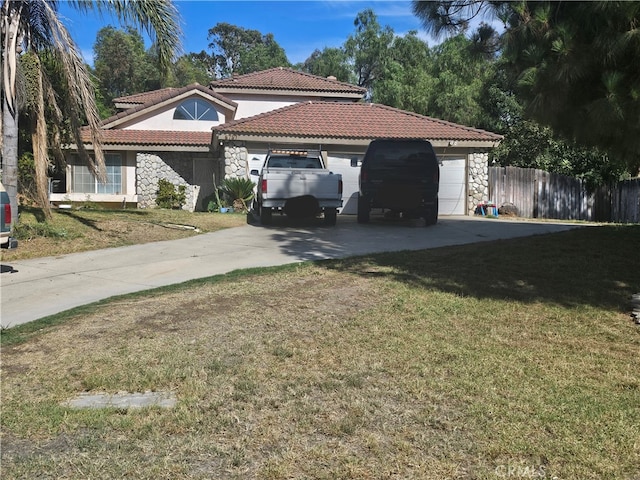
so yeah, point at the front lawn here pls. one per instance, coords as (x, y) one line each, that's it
(514, 361)
(80, 229)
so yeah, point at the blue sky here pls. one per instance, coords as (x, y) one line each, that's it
(299, 27)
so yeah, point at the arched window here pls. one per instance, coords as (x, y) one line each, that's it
(195, 109)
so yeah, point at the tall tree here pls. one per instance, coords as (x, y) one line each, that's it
(239, 50)
(328, 62)
(406, 80)
(191, 68)
(121, 63)
(368, 48)
(31, 29)
(576, 64)
(459, 76)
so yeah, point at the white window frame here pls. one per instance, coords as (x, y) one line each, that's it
(189, 110)
(82, 178)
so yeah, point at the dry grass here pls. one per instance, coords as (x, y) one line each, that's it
(78, 230)
(519, 362)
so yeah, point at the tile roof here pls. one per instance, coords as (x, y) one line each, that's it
(352, 121)
(151, 137)
(156, 96)
(280, 78)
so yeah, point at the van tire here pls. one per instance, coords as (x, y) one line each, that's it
(431, 215)
(364, 210)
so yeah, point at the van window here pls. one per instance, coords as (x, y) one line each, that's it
(396, 154)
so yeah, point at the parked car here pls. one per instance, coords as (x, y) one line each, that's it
(6, 240)
(400, 176)
(297, 183)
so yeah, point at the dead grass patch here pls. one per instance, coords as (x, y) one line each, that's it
(78, 230)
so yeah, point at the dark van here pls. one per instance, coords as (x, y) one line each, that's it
(401, 176)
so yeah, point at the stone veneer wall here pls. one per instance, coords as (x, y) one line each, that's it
(478, 180)
(172, 166)
(235, 161)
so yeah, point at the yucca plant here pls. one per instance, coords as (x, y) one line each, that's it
(239, 190)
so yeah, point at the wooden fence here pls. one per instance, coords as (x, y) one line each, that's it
(540, 194)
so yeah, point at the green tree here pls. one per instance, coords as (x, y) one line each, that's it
(405, 80)
(576, 64)
(122, 64)
(368, 49)
(459, 76)
(328, 62)
(32, 30)
(190, 68)
(531, 145)
(239, 50)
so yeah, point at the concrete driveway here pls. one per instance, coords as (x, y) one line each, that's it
(33, 289)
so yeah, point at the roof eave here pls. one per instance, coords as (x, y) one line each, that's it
(145, 147)
(351, 141)
(296, 92)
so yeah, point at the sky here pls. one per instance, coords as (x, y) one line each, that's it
(299, 27)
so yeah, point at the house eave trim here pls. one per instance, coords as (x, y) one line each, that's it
(225, 137)
(148, 148)
(310, 93)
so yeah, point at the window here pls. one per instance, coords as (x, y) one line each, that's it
(195, 109)
(85, 182)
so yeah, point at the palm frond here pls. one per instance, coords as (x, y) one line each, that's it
(160, 19)
(80, 89)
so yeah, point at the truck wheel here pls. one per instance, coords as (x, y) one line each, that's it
(265, 215)
(431, 215)
(364, 210)
(330, 216)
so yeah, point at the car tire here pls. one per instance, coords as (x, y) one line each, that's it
(265, 215)
(364, 210)
(330, 216)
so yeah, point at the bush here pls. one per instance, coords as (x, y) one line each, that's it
(168, 197)
(238, 190)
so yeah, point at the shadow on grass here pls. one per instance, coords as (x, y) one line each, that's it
(597, 266)
(90, 223)
(80, 219)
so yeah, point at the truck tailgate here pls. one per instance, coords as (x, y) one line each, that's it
(320, 184)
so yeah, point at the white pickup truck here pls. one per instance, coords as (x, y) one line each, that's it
(298, 184)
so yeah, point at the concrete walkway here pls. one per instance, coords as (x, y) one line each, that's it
(33, 289)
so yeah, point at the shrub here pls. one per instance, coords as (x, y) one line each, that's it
(238, 190)
(168, 197)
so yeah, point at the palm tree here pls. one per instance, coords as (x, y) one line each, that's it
(44, 76)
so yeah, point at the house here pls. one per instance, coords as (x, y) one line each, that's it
(194, 134)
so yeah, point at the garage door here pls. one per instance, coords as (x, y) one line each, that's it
(452, 198)
(338, 163)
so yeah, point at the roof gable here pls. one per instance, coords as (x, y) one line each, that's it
(157, 99)
(286, 79)
(356, 121)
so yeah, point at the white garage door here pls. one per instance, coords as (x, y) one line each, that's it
(452, 184)
(338, 163)
(452, 196)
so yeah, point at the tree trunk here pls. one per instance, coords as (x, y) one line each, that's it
(10, 156)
